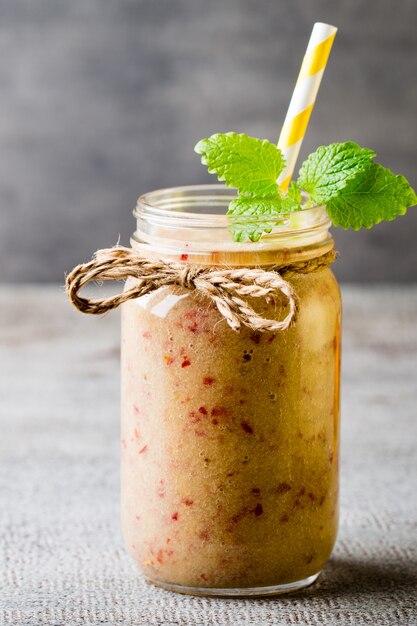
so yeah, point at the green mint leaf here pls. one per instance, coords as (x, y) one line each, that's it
(249, 216)
(252, 165)
(294, 192)
(329, 168)
(374, 195)
(292, 201)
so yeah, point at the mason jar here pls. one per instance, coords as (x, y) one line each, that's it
(229, 440)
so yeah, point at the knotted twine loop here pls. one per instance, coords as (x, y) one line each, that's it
(225, 287)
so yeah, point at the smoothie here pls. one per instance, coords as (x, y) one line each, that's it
(229, 440)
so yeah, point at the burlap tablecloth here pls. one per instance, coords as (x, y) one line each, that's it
(62, 558)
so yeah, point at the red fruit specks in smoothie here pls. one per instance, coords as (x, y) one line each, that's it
(160, 557)
(237, 517)
(137, 517)
(312, 496)
(136, 409)
(136, 433)
(187, 501)
(174, 516)
(246, 427)
(202, 410)
(146, 334)
(284, 519)
(142, 450)
(283, 488)
(255, 337)
(200, 433)
(208, 380)
(161, 489)
(184, 257)
(217, 411)
(193, 328)
(258, 510)
(203, 577)
(241, 402)
(204, 535)
(185, 363)
(169, 360)
(272, 338)
(194, 419)
(215, 421)
(256, 490)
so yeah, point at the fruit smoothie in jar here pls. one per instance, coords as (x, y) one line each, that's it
(231, 354)
(230, 440)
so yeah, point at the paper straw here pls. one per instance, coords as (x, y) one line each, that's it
(304, 97)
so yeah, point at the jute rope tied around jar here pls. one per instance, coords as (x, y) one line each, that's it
(226, 287)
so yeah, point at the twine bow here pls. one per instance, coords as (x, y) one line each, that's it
(225, 287)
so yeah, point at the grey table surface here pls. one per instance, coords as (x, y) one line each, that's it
(62, 557)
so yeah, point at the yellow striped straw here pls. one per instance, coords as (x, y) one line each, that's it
(304, 97)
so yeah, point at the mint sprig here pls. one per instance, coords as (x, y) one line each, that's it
(327, 170)
(357, 192)
(249, 216)
(373, 196)
(252, 165)
(292, 200)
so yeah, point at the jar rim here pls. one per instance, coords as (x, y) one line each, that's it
(191, 221)
(169, 203)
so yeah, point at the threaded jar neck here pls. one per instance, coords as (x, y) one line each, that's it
(190, 224)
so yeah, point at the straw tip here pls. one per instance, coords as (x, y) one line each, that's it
(323, 26)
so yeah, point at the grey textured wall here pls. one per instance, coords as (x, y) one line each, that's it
(104, 99)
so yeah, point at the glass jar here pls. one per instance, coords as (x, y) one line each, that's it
(229, 439)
